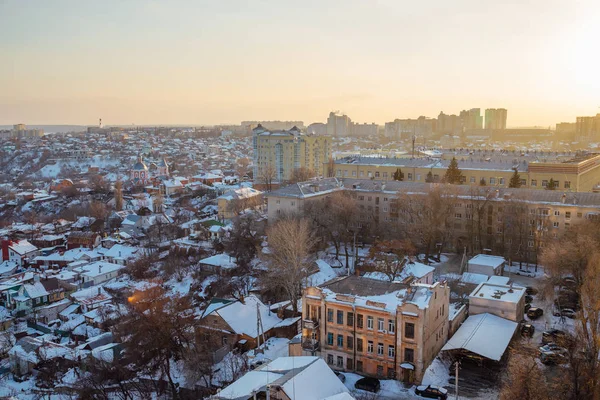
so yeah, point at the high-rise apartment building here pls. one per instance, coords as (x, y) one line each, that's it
(449, 124)
(278, 153)
(338, 125)
(471, 119)
(407, 128)
(495, 118)
(587, 128)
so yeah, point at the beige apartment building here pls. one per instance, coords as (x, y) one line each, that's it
(376, 328)
(278, 153)
(513, 223)
(570, 172)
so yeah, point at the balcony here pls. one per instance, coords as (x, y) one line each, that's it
(311, 324)
(309, 344)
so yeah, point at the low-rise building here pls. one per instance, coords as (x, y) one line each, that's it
(505, 301)
(376, 328)
(486, 264)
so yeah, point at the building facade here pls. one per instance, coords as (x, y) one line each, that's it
(338, 125)
(587, 129)
(376, 328)
(495, 118)
(278, 153)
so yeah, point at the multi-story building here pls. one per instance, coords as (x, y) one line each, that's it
(471, 119)
(338, 125)
(363, 130)
(402, 129)
(376, 328)
(513, 223)
(495, 118)
(449, 124)
(569, 171)
(587, 128)
(278, 153)
(274, 125)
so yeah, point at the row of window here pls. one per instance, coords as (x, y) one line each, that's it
(381, 323)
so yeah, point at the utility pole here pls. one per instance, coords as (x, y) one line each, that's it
(456, 378)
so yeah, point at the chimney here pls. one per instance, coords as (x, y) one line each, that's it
(564, 198)
(100, 268)
(99, 290)
(5, 244)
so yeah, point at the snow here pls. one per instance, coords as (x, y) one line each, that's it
(220, 260)
(487, 260)
(35, 290)
(121, 252)
(22, 247)
(325, 274)
(181, 287)
(510, 294)
(471, 277)
(98, 268)
(498, 280)
(483, 334)
(437, 374)
(252, 381)
(389, 389)
(314, 382)
(242, 317)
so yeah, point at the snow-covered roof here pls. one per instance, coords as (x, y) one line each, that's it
(487, 260)
(483, 334)
(119, 251)
(498, 280)
(98, 268)
(489, 291)
(471, 277)
(243, 388)
(316, 381)
(241, 317)
(220, 260)
(22, 247)
(35, 290)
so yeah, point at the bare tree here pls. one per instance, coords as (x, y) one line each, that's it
(302, 174)
(288, 257)
(389, 257)
(118, 195)
(266, 175)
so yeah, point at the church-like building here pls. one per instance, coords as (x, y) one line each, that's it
(142, 174)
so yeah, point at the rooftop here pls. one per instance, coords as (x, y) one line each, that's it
(489, 291)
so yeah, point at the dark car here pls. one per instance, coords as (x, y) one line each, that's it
(432, 392)
(531, 290)
(565, 312)
(527, 330)
(551, 358)
(368, 384)
(527, 307)
(535, 312)
(528, 298)
(556, 336)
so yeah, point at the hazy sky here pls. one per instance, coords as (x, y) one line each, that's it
(225, 61)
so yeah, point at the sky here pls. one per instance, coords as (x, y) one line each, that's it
(212, 62)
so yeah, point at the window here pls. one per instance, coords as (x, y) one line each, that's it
(567, 214)
(534, 182)
(544, 183)
(340, 340)
(379, 349)
(410, 176)
(385, 199)
(361, 198)
(391, 326)
(340, 362)
(349, 363)
(501, 181)
(385, 209)
(359, 366)
(353, 173)
(492, 181)
(385, 174)
(523, 182)
(359, 344)
(458, 215)
(362, 174)
(369, 174)
(329, 358)
(579, 215)
(349, 342)
(278, 202)
(391, 373)
(339, 172)
(472, 179)
(380, 324)
(380, 370)
(359, 321)
(376, 174)
(556, 213)
(340, 317)
(409, 330)
(369, 322)
(350, 319)
(391, 351)
(530, 243)
(330, 339)
(329, 315)
(418, 177)
(369, 346)
(293, 203)
(567, 184)
(409, 355)
(555, 224)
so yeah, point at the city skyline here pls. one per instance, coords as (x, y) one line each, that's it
(203, 63)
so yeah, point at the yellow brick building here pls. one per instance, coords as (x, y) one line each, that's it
(278, 153)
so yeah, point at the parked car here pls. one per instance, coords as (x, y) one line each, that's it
(368, 384)
(341, 376)
(531, 290)
(555, 336)
(568, 281)
(527, 307)
(432, 392)
(524, 272)
(551, 358)
(527, 330)
(535, 312)
(553, 348)
(528, 299)
(565, 312)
